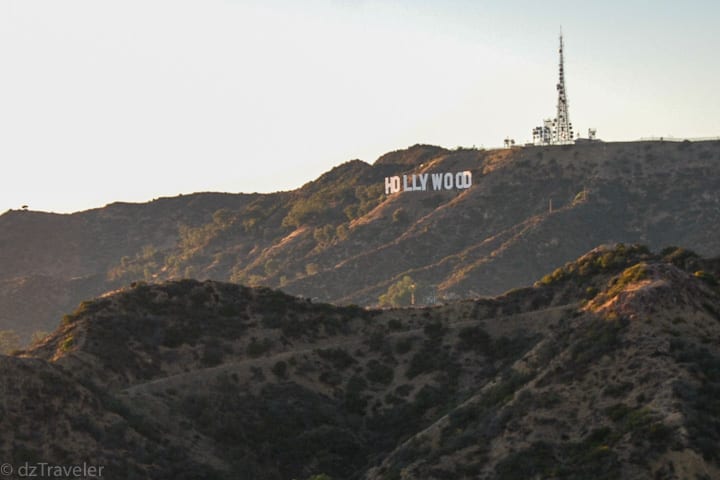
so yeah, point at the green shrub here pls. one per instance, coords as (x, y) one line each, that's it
(538, 459)
(680, 257)
(618, 389)
(474, 338)
(174, 337)
(631, 275)
(338, 357)
(601, 337)
(404, 345)
(429, 358)
(400, 216)
(601, 261)
(324, 235)
(399, 293)
(404, 390)
(432, 201)
(377, 341)
(256, 348)
(331, 378)
(503, 391)
(355, 400)
(379, 373)
(212, 353)
(280, 369)
(257, 374)
(703, 419)
(557, 276)
(67, 343)
(618, 411)
(590, 293)
(395, 325)
(435, 330)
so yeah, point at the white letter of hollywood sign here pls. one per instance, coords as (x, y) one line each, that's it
(422, 182)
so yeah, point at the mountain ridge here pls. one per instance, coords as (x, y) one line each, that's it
(340, 238)
(606, 367)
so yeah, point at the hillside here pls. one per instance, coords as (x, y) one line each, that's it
(606, 368)
(341, 239)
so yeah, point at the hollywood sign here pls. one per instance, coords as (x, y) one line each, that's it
(422, 182)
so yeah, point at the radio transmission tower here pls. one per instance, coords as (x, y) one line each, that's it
(563, 132)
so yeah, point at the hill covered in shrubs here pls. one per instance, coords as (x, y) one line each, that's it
(605, 368)
(341, 239)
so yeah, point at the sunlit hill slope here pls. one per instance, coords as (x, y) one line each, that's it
(341, 239)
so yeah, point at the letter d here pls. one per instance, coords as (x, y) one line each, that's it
(464, 179)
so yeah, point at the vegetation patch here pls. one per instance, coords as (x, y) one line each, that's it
(258, 347)
(404, 345)
(680, 257)
(631, 275)
(280, 369)
(212, 353)
(476, 339)
(703, 417)
(589, 459)
(618, 389)
(536, 460)
(338, 357)
(400, 293)
(429, 358)
(599, 262)
(379, 373)
(504, 390)
(473, 338)
(355, 398)
(67, 344)
(600, 337)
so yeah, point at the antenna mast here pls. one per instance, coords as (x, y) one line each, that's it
(563, 128)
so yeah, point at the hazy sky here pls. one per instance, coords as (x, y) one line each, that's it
(131, 100)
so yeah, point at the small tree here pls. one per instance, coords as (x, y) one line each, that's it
(400, 216)
(400, 293)
(324, 235)
(341, 232)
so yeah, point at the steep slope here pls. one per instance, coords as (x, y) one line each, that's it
(50, 262)
(90, 242)
(601, 193)
(52, 418)
(606, 368)
(622, 388)
(341, 239)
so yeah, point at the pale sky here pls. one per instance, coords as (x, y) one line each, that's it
(104, 101)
